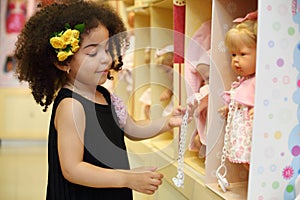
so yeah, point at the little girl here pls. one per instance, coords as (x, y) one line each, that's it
(65, 52)
(241, 43)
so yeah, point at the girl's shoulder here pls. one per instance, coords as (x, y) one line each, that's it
(62, 94)
(67, 95)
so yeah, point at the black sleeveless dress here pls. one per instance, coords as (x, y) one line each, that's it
(104, 146)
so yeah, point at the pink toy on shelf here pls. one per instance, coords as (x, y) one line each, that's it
(198, 55)
(16, 16)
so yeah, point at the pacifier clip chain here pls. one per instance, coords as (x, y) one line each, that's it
(222, 181)
(179, 179)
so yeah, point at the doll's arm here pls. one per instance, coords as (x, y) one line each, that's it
(203, 69)
(251, 113)
(223, 111)
(166, 94)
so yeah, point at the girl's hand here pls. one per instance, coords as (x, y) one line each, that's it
(145, 180)
(175, 119)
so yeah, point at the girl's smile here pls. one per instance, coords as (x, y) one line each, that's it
(103, 72)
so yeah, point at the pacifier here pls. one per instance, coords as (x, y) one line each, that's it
(222, 181)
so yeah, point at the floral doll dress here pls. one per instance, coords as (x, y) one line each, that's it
(238, 131)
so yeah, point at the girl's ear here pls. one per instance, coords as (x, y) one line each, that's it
(64, 68)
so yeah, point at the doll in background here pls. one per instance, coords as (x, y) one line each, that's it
(128, 55)
(196, 74)
(241, 44)
(16, 16)
(10, 64)
(164, 59)
(145, 98)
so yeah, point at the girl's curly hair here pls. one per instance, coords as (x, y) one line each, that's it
(36, 58)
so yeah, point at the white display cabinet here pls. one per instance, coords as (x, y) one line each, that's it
(274, 159)
(275, 156)
(221, 77)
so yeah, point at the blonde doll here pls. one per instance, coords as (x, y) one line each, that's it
(241, 43)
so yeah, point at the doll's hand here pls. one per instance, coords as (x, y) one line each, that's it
(145, 179)
(251, 113)
(166, 94)
(203, 104)
(223, 112)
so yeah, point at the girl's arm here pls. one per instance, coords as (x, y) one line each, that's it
(143, 129)
(70, 125)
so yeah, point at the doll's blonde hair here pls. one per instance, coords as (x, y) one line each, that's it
(243, 33)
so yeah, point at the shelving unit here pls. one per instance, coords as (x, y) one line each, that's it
(161, 151)
(278, 33)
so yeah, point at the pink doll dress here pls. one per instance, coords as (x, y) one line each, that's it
(238, 134)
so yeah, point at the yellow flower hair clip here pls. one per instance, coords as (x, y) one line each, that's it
(66, 43)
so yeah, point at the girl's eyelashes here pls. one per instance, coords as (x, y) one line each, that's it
(92, 50)
(92, 53)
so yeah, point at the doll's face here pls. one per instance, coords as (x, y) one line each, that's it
(243, 60)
